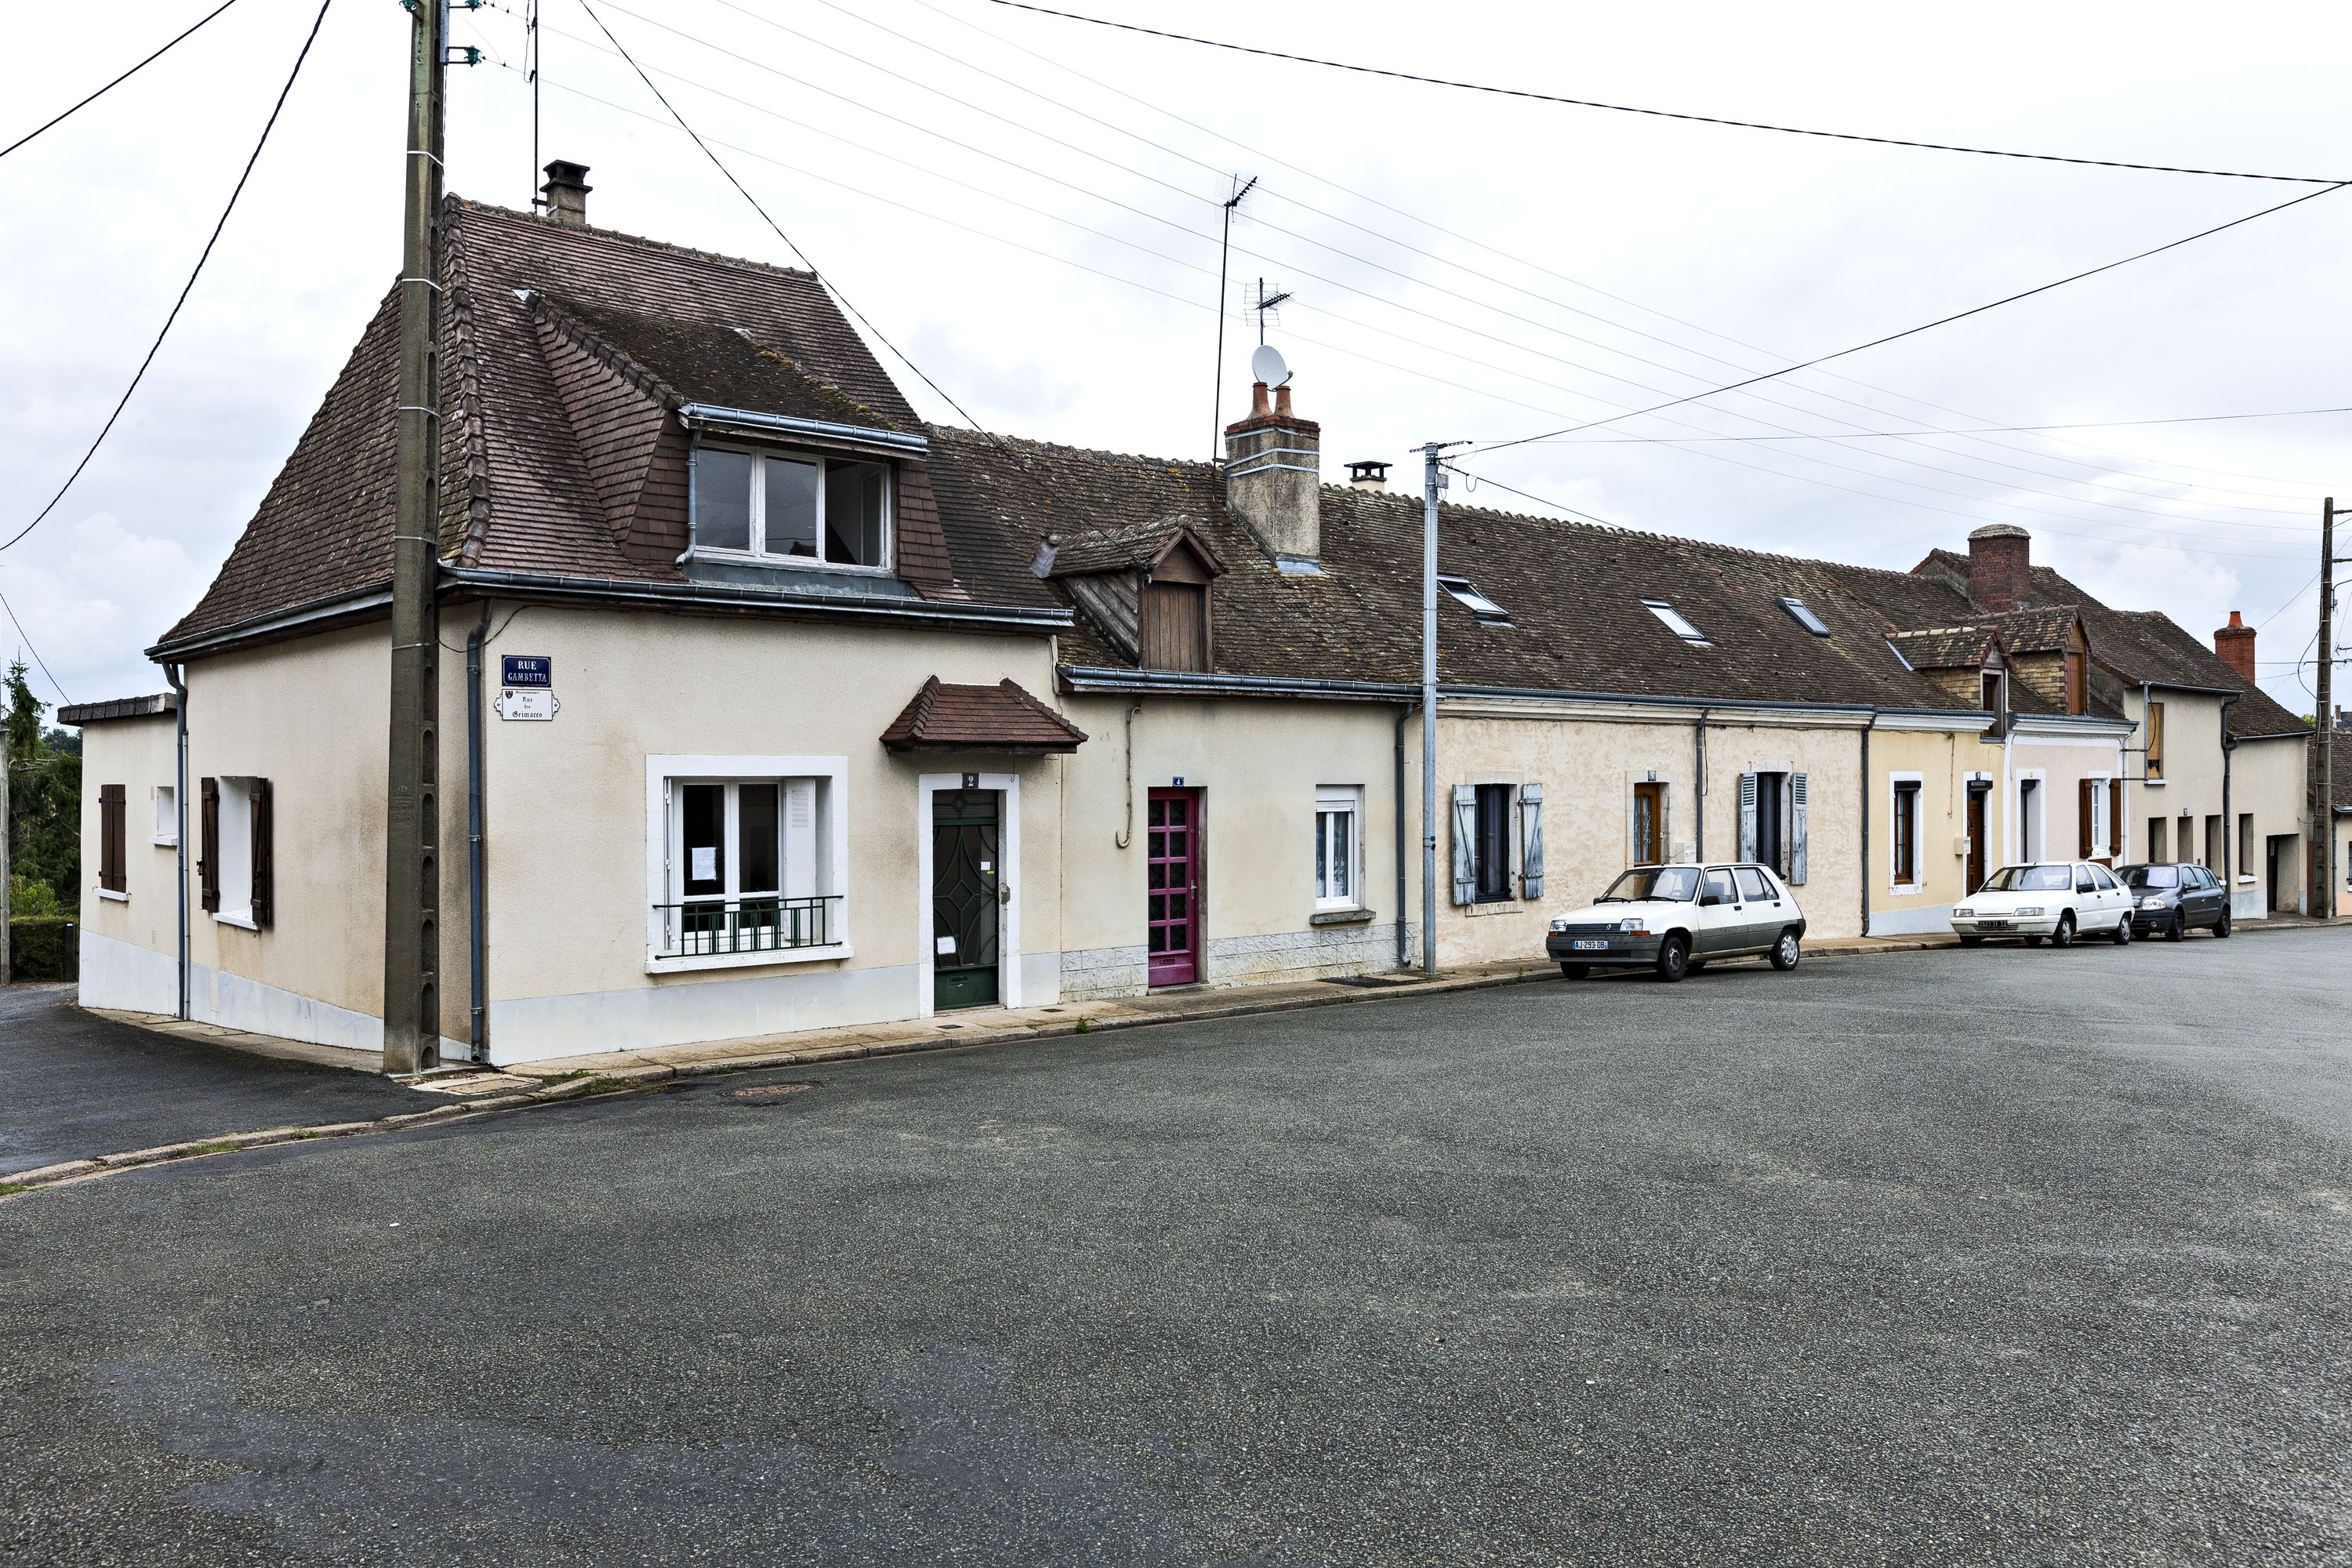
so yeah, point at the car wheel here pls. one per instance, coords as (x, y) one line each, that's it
(2065, 935)
(1784, 952)
(1971, 941)
(2177, 929)
(1576, 971)
(1674, 957)
(2221, 926)
(2123, 934)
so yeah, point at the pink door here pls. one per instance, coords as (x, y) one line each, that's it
(1173, 852)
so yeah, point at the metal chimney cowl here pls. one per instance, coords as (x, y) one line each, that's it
(1274, 479)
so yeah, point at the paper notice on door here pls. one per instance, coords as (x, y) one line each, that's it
(947, 945)
(706, 863)
(987, 866)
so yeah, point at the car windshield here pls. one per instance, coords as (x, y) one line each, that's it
(2031, 880)
(1675, 884)
(2153, 876)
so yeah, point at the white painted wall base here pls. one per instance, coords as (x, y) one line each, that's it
(2246, 904)
(1912, 920)
(127, 976)
(533, 1029)
(1317, 954)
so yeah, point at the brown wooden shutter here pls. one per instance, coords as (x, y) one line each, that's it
(264, 890)
(110, 855)
(208, 847)
(1175, 631)
(2114, 819)
(2082, 818)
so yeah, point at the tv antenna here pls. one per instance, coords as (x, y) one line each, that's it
(1224, 254)
(1268, 307)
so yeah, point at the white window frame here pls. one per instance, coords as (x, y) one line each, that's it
(1918, 882)
(1674, 621)
(2031, 834)
(1331, 799)
(758, 554)
(2103, 817)
(234, 844)
(167, 815)
(830, 877)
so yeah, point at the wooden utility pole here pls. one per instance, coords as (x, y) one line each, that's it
(412, 942)
(2323, 741)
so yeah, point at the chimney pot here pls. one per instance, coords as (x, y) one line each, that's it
(1368, 474)
(1274, 480)
(2235, 646)
(2000, 566)
(565, 195)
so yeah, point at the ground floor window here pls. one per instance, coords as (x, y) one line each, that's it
(1906, 833)
(2158, 840)
(236, 862)
(1338, 847)
(1493, 871)
(746, 864)
(167, 814)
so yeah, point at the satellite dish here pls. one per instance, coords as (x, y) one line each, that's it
(1267, 365)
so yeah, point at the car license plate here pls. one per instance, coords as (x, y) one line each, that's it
(1589, 946)
(1992, 925)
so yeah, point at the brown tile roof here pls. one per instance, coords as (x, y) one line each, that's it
(1946, 648)
(1117, 549)
(1000, 718)
(519, 492)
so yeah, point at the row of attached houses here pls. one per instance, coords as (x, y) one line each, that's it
(767, 706)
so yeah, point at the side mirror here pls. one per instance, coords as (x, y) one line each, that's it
(1708, 901)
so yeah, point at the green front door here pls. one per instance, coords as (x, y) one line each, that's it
(965, 876)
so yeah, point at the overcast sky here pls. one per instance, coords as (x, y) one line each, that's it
(1028, 207)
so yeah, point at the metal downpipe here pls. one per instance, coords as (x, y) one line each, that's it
(172, 675)
(478, 1036)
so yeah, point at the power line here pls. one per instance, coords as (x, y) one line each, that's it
(1930, 326)
(867, 193)
(1376, 201)
(1656, 113)
(797, 250)
(1516, 344)
(24, 637)
(118, 82)
(1980, 430)
(185, 288)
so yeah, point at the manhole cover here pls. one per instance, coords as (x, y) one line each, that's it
(769, 1093)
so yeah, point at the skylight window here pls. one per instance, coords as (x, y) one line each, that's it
(1803, 614)
(1488, 612)
(1675, 623)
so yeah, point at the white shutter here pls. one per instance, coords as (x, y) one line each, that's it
(1747, 817)
(1796, 830)
(1531, 875)
(1465, 836)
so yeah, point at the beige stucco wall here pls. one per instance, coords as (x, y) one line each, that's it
(1588, 758)
(2270, 780)
(1943, 762)
(567, 825)
(1258, 764)
(129, 956)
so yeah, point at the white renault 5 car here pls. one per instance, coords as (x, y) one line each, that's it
(1677, 918)
(2060, 899)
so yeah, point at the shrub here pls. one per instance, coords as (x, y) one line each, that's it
(44, 947)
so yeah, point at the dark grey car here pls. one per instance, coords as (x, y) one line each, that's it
(2173, 897)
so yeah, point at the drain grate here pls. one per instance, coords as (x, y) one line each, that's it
(771, 1093)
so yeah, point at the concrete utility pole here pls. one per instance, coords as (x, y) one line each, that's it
(412, 941)
(2322, 758)
(1433, 481)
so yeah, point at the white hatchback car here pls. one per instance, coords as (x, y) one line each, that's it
(2058, 899)
(1679, 918)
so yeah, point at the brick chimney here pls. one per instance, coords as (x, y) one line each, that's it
(1274, 479)
(565, 195)
(2235, 644)
(2000, 562)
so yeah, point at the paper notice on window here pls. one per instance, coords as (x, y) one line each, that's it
(947, 946)
(705, 864)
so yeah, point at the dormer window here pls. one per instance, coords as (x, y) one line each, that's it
(812, 511)
(1674, 622)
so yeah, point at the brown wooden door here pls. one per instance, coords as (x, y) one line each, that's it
(1173, 863)
(1649, 824)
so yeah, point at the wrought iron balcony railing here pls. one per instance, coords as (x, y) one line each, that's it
(709, 928)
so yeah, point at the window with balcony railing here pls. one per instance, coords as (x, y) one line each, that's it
(748, 866)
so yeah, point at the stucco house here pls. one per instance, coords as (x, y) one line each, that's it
(767, 705)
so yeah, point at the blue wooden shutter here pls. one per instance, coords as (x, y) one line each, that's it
(1747, 817)
(1465, 840)
(1531, 869)
(1796, 830)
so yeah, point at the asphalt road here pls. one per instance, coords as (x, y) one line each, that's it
(72, 1086)
(1996, 1257)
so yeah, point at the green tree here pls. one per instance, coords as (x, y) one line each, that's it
(44, 803)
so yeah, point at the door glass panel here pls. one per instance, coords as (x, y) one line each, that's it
(703, 849)
(722, 500)
(791, 507)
